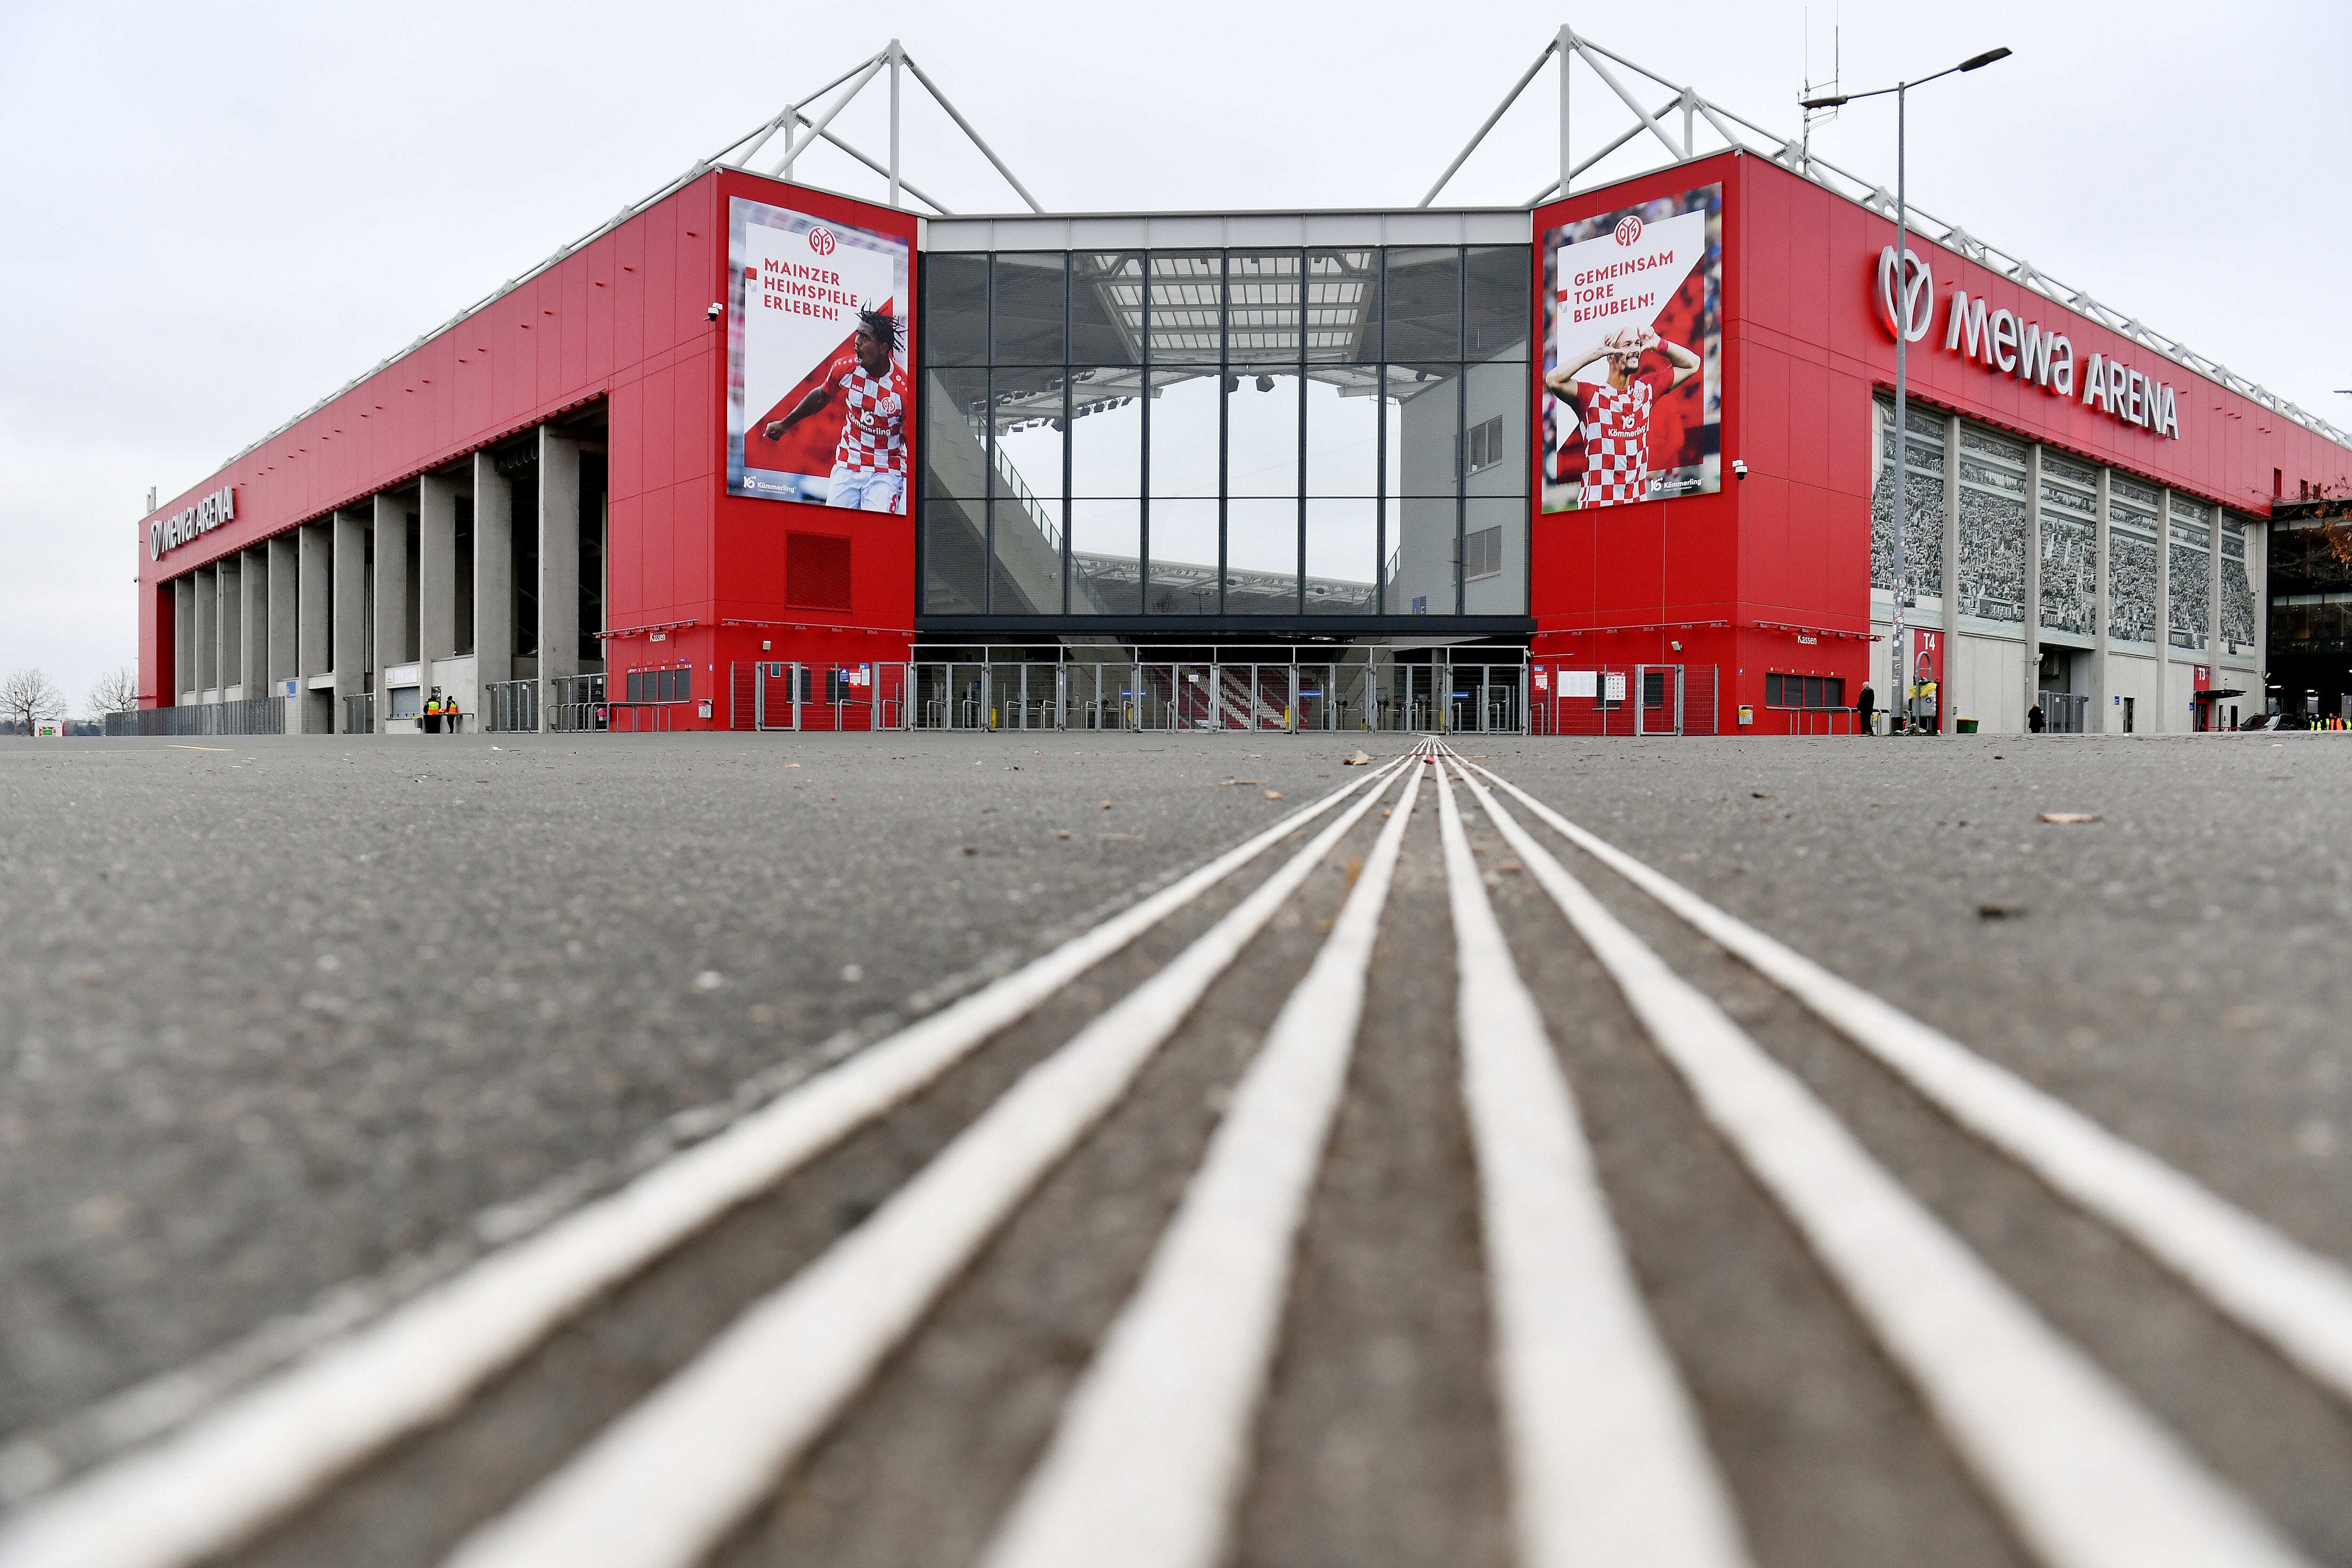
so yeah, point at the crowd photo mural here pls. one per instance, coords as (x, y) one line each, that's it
(1633, 365)
(819, 400)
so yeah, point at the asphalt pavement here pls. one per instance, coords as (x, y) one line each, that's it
(295, 1030)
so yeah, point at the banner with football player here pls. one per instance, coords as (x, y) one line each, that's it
(1632, 367)
(819, 400)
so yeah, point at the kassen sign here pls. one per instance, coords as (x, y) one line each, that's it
(2007, 344)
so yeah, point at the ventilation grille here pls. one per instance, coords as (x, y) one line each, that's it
(816, 571)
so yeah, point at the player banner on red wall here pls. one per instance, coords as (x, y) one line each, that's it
(820, 405)
(1632, 400)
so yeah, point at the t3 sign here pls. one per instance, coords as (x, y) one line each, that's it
(2007, 344)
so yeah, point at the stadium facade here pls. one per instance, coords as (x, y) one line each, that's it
(756, 453)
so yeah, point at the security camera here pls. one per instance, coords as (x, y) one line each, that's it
(716, 310)
(1739, 468)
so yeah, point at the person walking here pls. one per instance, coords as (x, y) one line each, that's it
(2034, 718)
(1865, 711)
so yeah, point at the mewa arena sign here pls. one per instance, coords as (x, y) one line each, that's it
(2009, 346)
(171, 533)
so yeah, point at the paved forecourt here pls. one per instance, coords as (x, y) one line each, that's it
(1176, 1150)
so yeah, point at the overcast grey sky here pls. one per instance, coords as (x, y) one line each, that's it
(216, 214)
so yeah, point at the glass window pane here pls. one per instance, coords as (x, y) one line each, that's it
(1420, 571)
(1503, 527)
(1261, 431)
(955, 462)
(1030, 423)
(1105, 433)
(955, 309)
(1499, 302)
(1106, 307)
(1186, 290)
(1262, 305)
(1343, 429)
(1183, 409)
(1496, 401)
(1183, 558)
(1027, 552)
(1772, 692)
(1342, 556)
(1031, 296)
(1106, 557)
(955, 557)
(1424, 438)
(1343, 307)
(1425, 302)
(1262, 556)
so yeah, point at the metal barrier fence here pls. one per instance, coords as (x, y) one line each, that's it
(359, 713)
(511, 707)
(1298, 691)
(253, 716)
(780, 694)
(2061, 712)
(1625, 699)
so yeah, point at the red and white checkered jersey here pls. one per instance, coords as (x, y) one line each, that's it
(1616, 426)
(873, 419)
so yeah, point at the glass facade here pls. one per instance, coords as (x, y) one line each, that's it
(2131, 561)
(1238, 433)
(2191, 583)
(1923, 526)
(2070, 545)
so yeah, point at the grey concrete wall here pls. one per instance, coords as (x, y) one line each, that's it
(437, 571)
(231, 622)
(394, 635)
(207, 586)
(2163, 721)
(559, 565)
(253, 664)
(284, 660)
(493, 573)
(1947, 695)
(350, 660)
(2104, 719)
(314, 550)
(183, 637)
(2033, 574)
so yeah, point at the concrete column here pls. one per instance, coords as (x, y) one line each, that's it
(2033, 574)
(391, 628)
(1947, 694)
(493, 574)
(350, 597)
(207, 582)
(253, 664)
(437, 571)
(2258, 561)
(231, 624)
(314, 653)
(2165, 722)
(283, 661)
(2213, 594)
(2101, 683)
(183, 636)
(559, 565)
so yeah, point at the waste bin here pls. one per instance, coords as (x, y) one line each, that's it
(1965, 726)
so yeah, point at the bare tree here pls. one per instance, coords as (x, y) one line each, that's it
(31, 699)
(117, 691)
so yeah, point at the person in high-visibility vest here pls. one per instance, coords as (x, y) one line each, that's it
(449, 713)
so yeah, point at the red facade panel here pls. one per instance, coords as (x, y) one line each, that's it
(623, 319)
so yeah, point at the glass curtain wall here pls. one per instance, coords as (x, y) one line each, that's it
(1290, 432)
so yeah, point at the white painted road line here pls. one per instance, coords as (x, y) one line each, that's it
(226, 1474)
(2298, 1300)
(1608, 1465)
(664, 1483)
(1150, 1450)
(2085, 1476)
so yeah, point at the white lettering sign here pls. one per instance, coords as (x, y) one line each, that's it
(167, 533)
(2007, 344)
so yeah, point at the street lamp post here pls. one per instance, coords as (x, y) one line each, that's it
(1902, 304)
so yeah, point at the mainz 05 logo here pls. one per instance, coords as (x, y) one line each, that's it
(1629, 229)
(821, 241)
